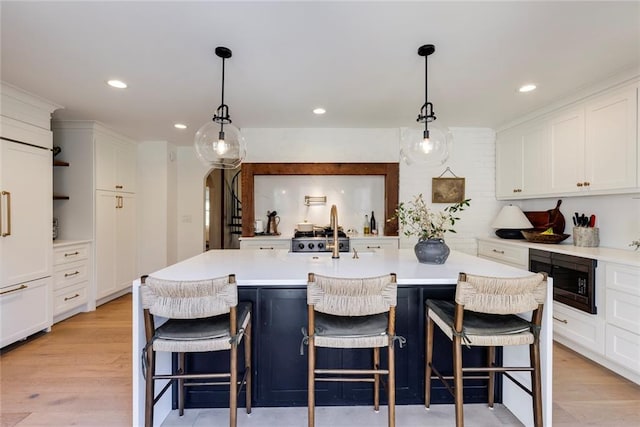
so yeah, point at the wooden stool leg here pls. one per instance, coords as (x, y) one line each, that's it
(311, 382)
(181, 370)
(247, 366)
(392, 386)
(233, 385)
(149, 389)
(536, 382)
(491, 362)
(428, 362)
(457, 380)
(376, 379)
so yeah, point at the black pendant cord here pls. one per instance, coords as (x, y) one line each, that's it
(222, 104)
(426, 97)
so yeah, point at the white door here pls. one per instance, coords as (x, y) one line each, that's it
(107, 204)
(106, 163)
(25, 212)
(126, 168)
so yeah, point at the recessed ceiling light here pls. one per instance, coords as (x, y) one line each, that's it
(119, 84)
(527, 88)
(180, 126)
(319, 110)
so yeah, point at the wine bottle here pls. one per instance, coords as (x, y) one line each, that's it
(373, 226)
(366, 230)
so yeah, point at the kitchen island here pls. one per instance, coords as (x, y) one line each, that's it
(275, 282)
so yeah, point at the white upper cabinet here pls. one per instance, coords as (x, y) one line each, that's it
(611, 140)
(589, 147)
(115, 164)
(567, 150)
(521, 161)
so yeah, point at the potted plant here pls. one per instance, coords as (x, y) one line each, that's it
(418, 219)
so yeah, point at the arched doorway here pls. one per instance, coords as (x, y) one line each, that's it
(222, 210)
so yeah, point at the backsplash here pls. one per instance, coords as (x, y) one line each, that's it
(354, 196)
(618, 216)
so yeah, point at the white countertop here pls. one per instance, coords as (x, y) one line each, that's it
(621, 256)
(281, 267)
(289, 236)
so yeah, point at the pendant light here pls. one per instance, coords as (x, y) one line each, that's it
(432, 147)
(218, 143)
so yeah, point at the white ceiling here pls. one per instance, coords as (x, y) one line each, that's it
(357, 59)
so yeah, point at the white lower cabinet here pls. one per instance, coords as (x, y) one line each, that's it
(115, 242)
(265, 244)
(24, 310)
(71, 279)
(623, 315)
(623, 347)
(373, 244)
(504, 253)
(584, 329)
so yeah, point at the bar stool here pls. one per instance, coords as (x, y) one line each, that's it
(203, 316)
(484, 314)
(352, 313)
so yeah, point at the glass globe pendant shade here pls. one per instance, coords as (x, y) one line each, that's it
(429, 148)
(221, 149)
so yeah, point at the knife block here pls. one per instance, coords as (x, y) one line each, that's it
(586, 236)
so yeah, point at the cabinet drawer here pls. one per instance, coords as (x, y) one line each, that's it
(69, 274)
(623, 310)
(373, 244)
(584, 329)
(623, 347)
(506, 254)
(70, 254)
(24, 310)
(623, 278)
(266, 244)
(69, 298)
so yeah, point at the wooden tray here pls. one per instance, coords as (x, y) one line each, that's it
(537, 237)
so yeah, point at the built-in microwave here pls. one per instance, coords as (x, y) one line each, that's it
(573, 277)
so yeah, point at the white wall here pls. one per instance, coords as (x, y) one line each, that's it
(190, 203)
(157, 235)
(472, 157)
(321, 145)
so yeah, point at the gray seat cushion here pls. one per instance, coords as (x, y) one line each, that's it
(201, 329)
(475, 323)
(350, 326)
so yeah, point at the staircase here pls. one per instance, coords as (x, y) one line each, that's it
(234, 206)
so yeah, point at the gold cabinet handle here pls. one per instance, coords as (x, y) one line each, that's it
(579, 184)
(68, 298)
(8, 233)
(586, 183)
(119, 202)
(71, 254)
(14, 290)
(71, 274)
(560, 320)
(119, 187)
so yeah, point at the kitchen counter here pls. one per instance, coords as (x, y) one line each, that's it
(621, 256)
(280, 270)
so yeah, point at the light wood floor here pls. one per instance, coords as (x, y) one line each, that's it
(80, 374)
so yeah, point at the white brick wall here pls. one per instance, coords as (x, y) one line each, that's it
(472, 158)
